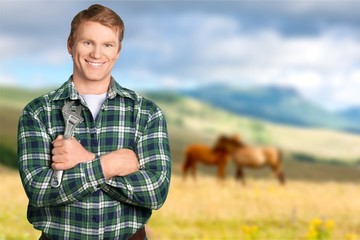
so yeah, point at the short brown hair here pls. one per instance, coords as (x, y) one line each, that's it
(100, 14)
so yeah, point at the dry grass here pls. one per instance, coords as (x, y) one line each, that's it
(13, 204)
(207, 209)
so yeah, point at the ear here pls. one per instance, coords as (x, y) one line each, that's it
(118, 54)
(69, 47)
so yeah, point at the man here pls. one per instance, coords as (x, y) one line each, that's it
(117, 164)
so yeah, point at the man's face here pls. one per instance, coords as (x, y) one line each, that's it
(95, 51)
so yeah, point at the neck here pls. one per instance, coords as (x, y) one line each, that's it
(91, 87)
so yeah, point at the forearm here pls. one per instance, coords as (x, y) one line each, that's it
(146, 188)
(77, 183)
(119, 163)
(126, 183)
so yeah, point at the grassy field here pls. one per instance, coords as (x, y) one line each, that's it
(207, 209)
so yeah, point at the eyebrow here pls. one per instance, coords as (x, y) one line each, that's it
(88, 39)
(111, 42)
(91, 40)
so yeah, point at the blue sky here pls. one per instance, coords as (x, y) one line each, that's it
(313, 46)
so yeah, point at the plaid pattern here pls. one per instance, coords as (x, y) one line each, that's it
(86, 206)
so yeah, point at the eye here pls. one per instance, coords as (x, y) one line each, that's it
(108, 45)
(87, 43)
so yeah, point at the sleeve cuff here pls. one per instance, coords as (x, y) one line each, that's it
(94, 174)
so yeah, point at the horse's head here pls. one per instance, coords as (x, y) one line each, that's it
(235, 139)
(228, 145)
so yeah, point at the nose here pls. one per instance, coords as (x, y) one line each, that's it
(96, 52)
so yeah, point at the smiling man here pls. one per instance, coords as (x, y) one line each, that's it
(116, 167)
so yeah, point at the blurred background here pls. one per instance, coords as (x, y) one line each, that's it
(283, 74)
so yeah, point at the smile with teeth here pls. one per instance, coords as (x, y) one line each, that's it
(95, 64)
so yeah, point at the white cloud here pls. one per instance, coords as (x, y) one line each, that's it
(8, 80)
(45, 51)
(348, 92)
(217, 48)
(11, 46)
(55, 56)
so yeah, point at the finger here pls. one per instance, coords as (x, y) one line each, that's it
(57, 166)
(56, 151)
(57, 159)
(59, 137)
(58, 143)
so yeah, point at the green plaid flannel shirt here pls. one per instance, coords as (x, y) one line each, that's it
(86, 206)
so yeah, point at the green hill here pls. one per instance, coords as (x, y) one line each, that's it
(17, 97)
(309, 153)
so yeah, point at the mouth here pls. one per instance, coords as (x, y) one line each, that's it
(95, 64)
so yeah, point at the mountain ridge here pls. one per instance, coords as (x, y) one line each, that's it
(276, 104)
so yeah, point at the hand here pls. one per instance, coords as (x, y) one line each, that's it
(67, 153)
(121, 162)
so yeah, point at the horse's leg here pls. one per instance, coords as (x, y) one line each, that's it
(186, 167)
(279, 174)
(240, 175)
(281, 177)
(193, 169)
(221, 170)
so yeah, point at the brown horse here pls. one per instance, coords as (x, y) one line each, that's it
(217, 156)
(256, 157)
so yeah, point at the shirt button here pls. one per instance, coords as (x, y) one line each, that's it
(95, 219)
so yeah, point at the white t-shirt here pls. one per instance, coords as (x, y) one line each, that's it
(94, 102)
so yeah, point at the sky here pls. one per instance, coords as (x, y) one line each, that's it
(312, 46)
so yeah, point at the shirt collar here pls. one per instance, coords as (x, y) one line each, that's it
(68, 91)
(116, 89)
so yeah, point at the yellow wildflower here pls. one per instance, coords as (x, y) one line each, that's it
(329, 225)
(315, 223)
(351, 236)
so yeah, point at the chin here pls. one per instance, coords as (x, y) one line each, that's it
(93, 78)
